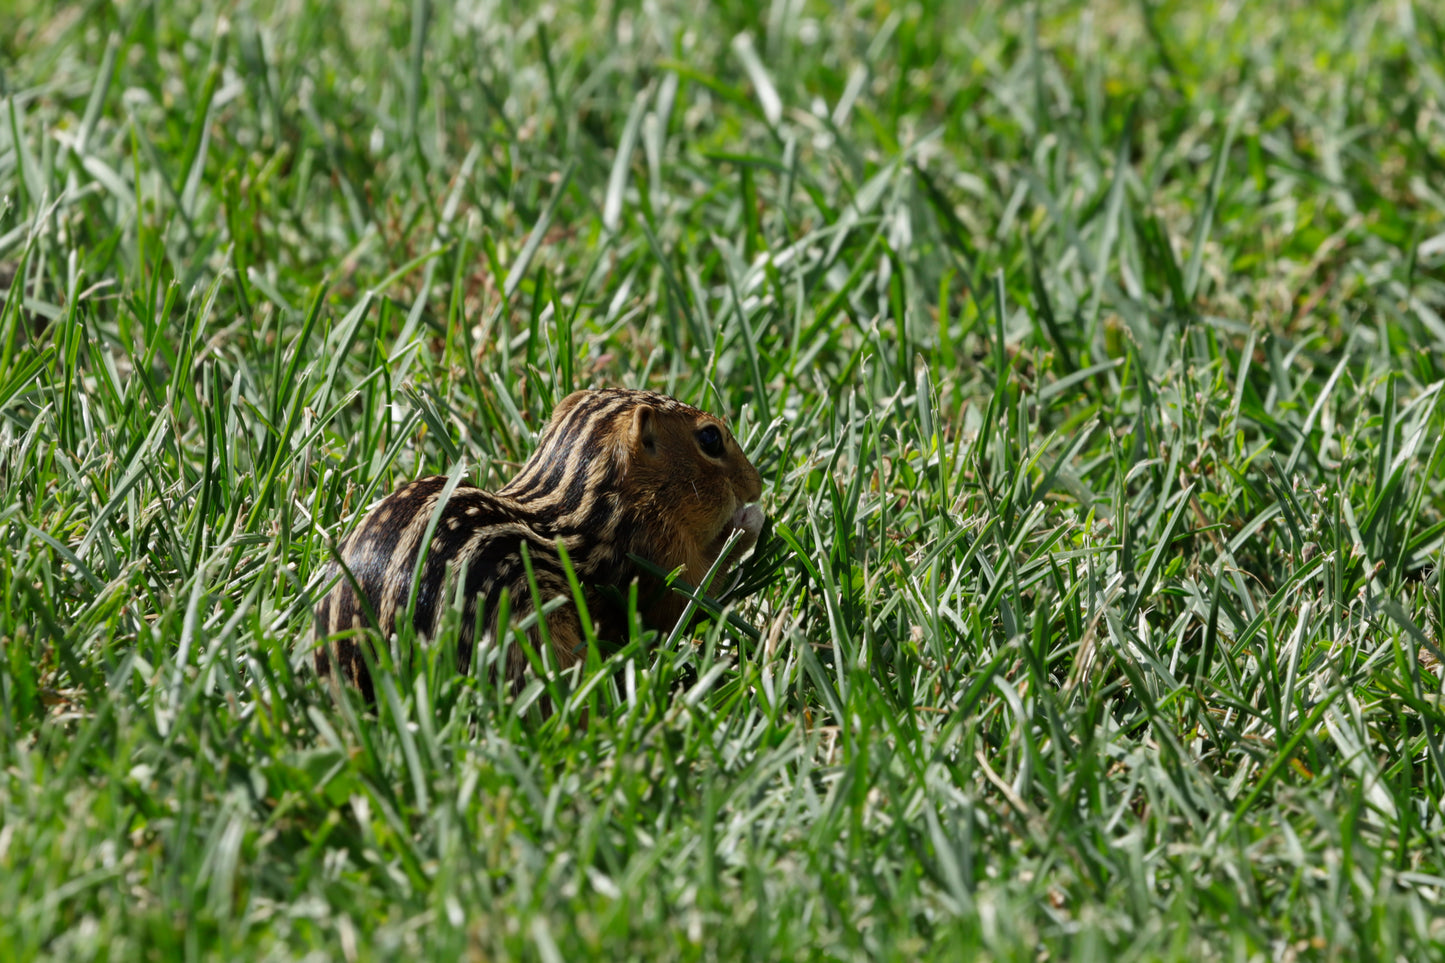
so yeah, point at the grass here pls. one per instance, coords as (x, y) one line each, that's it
(1092, 356)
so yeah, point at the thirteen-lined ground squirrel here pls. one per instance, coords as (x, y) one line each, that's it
(615, 472)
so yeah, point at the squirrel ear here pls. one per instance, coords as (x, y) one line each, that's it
(567, 404)
(644, 428)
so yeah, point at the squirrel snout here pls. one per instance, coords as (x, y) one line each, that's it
(749, 518)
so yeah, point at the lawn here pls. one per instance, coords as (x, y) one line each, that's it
(1092, 356)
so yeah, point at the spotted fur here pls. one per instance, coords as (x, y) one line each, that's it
(615, 472)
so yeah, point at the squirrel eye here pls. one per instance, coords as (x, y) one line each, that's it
(710, 440)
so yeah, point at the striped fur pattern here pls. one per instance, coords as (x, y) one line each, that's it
(615, 472)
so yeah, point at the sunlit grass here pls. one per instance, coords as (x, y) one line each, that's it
(1092, 357)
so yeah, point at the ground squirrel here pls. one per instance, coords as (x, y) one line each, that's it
(615, 472)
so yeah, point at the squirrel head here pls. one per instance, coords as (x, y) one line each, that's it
(667, 481)
(686, 470)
